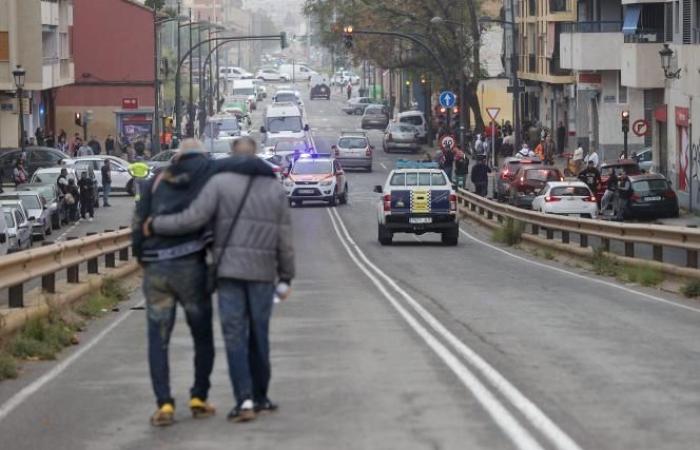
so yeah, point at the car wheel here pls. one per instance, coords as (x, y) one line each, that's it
(130, 188)
(450, 237)
(334, 199)
(384, 235)
(344, 198)
(292, 203)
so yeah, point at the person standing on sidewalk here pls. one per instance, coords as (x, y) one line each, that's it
(109, 145)
(87, 196)
(106, 173)
(175, 272)
(480, 177)
(348, 89)
(253, 248)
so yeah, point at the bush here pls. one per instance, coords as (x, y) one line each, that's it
(603, 264)
(509, 233)
(112, 292)
(8, 366)
(691, 289)
(42, 339)
(646, 276)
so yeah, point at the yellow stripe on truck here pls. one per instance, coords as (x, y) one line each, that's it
(420, 201)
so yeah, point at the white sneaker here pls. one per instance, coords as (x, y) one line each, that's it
(90, 219)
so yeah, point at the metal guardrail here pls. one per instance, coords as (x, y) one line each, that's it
(658, 236)
(19, 268)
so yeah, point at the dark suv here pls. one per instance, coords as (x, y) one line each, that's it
(36, 158)
(320, 90)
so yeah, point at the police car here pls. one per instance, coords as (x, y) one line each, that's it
(417, 198)
(316, 176)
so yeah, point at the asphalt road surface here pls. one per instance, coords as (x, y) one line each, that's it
(412, 346)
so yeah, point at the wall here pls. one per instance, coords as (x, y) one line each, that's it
(610, 116)
(492, 92)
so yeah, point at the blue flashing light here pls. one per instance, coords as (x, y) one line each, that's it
(408, 164)
(42, 110)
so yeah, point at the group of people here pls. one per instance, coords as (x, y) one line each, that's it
(76, 146)
(455, 163)
(618, 187)
(235, 209)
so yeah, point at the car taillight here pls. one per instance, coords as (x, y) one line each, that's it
(549, 199)
(453, 202)
(670, 194)
(635, 197)
(505, 175)
(590, 199)
(368, 152)
(387, 203)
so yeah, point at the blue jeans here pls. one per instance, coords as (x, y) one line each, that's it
(165, 284)
(106, 190)
(245, 308)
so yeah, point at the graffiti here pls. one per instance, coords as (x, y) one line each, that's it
(694, 166)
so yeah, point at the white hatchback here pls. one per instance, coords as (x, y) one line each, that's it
(570, 198)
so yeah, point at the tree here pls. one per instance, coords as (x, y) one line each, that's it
(155, 4)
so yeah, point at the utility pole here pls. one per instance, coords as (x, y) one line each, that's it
(177, 85)
(190, 106)
(155, 138)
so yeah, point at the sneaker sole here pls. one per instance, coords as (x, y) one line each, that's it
(201, 413)
(244, 416)
(162, 423)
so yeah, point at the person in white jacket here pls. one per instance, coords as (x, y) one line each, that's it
(525, 152)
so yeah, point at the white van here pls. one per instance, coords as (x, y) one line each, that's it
(247, 89)
(283, 119)
(297, 72)
(234, 73)
(417, 119)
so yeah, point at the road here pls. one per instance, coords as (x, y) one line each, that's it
(411, 346)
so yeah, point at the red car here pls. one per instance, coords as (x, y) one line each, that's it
(529, 181)
(507, 172)
(630, 166)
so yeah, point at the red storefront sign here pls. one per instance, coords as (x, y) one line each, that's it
(682, 117)
(130, 103)
(661, 113)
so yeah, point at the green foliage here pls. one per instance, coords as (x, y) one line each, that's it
(509, 233)
(110, 295)
(691, 289)
(603, 264)
(155, 4)
(548, 255)
(42, 339)
(8, 366)
(646, 276)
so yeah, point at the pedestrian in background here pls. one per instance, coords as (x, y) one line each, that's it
(94, 144)
(592, 157)
(87, 196)
(461, 169)
(561, 137)
(84, 150)
(72, 196)
(348, 89)
(39, 136)
(609, 194)
(549, 150)
(19, 173)
(480, 177)
(109, 145)
(624, 192)
(106, 174)
(50, 140)
(591, 176)
(253, 248)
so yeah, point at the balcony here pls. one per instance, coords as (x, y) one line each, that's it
(556, 6)
(591, 45)
(49, 13)
(645, 36)
(56, 73)
(556, 69)
(641, 66)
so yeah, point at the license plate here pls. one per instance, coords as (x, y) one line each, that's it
(421, 220)
(306, 191)
(652, 199)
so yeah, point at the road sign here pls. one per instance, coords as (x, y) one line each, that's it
(493, 111)
(447, 142)
(130, 103)
(448, 99)
(640, 127)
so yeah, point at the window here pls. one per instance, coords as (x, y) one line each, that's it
(4, 46)
(676, 15)
(398, 179)
(621, 90)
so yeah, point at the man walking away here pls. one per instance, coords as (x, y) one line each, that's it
(480, 177)
(254, 252)
(549, 151)
(175, 272)
(87, 196)
(94, 144)
(106, 173)
(591, 176)
(610, 190)
(446, 161)
(348, 88)
(109, 145)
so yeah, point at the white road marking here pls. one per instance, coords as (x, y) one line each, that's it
(644, 295)
(536, 417)
(26, 392)
(520, 437)
(383, 166)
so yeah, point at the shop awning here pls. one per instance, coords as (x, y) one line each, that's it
(631, 22)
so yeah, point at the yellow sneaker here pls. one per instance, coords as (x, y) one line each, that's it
(201, 409)
(164, 417)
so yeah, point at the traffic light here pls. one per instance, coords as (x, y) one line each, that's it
(283, 40)
(78, 119)
(625, 121)
(347, 36)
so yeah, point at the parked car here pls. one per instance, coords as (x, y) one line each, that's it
(630, 166)
(234, 73)
(52, 199)
(343, 76)
(50, 175)
(4, 245)
(417, 119)
(652, 197)
(19, 233)
(357, 105)
(645, 159)
(35, 158)
(569, 198)
(320, 90)
(354, 151)
(375, 116)
(401, 136)
(36, 208)
(160, 160)
(122, 181)
(506, 173)
(528, 182)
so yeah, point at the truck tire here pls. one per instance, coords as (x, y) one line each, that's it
(384, 235)
(450, 237)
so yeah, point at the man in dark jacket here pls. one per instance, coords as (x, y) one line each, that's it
(591, 176)
(480, 177)
(109, 145)
(175, 272)
(94, 144)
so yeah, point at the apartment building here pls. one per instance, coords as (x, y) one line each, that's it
(38, 36)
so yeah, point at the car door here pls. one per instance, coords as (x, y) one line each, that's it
(38, 159)
(120, 176)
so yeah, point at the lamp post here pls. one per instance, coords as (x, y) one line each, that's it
(666, 60)
(19, 74)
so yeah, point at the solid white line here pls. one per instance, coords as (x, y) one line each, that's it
(26, 392)
(538, 418)
(645, 296)
(520, 437)
(383, 166)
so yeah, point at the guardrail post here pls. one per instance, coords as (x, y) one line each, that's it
(48, 281)
(535, 229)
(583, 240)
(72, 273)
(16, 296)
(550, 233)
(605, 244)
(124, 253)
(499, 218)
(110, 261)
(481, 211)
(489, 214)
(92, 264)
(692, 259)
(565, 237)
(629, 249)
(658, 253)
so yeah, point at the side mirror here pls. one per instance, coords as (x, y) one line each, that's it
(334, 147)
(378, 189)
(306, 127)
(262, 130)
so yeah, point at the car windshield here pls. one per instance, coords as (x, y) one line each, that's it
(244, 91)
(312, 167)
(285, 97)
(45, 190)
(630, 169)
(413, 120)
(279, 124)
(225, 126)
(542, 175)
(352, 142)
(374, 111)
(30, 201)
(570, 191)
(403, 128)
(418, 179)
(650, 186)
(9, 219)
(45, 178)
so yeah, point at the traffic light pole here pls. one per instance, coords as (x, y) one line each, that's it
(625, 131)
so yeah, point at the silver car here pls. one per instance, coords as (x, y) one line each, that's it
(36, 209)
(19, 233)
(51, 198)
(354, 151)
(401, 136)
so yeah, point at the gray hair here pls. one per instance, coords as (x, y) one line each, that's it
(190, 146)
(238, 147)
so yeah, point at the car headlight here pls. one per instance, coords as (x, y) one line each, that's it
(326, 183)
(288, 183)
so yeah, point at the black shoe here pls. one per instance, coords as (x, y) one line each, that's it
(265, 407)
(243, 413)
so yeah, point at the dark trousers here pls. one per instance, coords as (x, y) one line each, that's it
(165, 284)
(482, 188)
(87, 205)
(245, 308)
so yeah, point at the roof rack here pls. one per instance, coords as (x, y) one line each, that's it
(408, 164)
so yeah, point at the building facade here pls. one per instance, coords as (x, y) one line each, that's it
(38, 36)
(116, 70)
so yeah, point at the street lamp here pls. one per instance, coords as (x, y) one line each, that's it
(666, 56)
(19, 75)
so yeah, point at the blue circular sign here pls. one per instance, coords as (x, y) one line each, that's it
(448, 99)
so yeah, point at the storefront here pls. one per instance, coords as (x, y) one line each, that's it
(135, 127)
